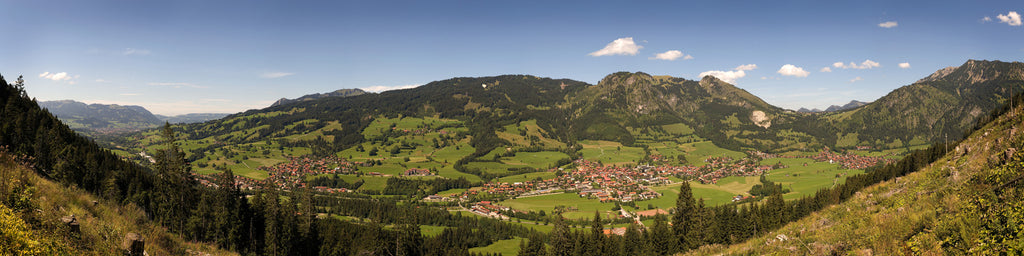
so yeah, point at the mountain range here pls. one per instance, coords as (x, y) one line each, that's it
(338, 93)
(113, 117)
(624, 107)
(853, 104)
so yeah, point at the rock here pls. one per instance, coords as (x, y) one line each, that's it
(71, 222)
(134, 244)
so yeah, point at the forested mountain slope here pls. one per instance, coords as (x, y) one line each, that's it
(624, 103)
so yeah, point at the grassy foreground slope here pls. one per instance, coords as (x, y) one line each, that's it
(968, 202)
(31, 209)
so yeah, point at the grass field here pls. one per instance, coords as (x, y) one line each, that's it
(540, 160)
(432, 231)
(807, 180)
(696, 152)
(504, 247)
(547, 203)
(610, 153)
(528, 176)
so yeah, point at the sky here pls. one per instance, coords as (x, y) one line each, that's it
(176, 57)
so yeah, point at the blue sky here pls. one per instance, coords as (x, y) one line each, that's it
(176, 57)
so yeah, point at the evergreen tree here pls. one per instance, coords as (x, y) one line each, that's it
(633, 242)
(595, 245)
(175, 183)
(660, 239)
(561, 238)
(684, 221)
(535, 247)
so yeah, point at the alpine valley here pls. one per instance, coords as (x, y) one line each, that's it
(636, 164)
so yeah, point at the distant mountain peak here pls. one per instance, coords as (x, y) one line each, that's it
(315, 96)
(978, 71)
(852, 105)
(941, 73)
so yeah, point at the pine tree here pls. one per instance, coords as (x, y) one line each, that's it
(660, 239)
(596, 242)
(175, 183)
(561, 238)
(684, 221)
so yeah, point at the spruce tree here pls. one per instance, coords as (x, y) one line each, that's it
(684, 221)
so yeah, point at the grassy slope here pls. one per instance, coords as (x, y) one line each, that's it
(102, 226)
(914, 213)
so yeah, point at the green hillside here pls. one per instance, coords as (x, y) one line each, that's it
(967, 202)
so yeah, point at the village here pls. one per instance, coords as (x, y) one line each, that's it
(588, 179)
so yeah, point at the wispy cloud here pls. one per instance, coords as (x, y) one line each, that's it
(790, 70)
(177, 85)
(621, 46)
(130, 94)
(867, 64)
(55, 76)
(101, 80)
(60, 77)
(888, 24)
(746, 67)
(904, 65)
(275, 74)
(856, 79)
(1012, 19)
(729, 76)
(671, 55)
(825, 70)
(381, 88)
(137, 52)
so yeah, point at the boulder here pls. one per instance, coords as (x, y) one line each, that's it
(134, 244)
(71, 223)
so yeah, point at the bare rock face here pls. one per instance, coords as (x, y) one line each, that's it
(134, 244)
(760, 119)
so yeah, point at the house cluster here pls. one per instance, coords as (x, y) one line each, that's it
(417, 172)
(292, 173)
(485, 208)
(848, 161)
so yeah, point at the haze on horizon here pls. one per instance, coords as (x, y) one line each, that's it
(179, 57)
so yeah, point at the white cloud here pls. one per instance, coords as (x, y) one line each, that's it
(101, 81)
(62, 76)
(856, 79)
(275, 74)
(986, 19)
(727, 76)
(177, 85)
(888, 24)
(621, 46)
(381, 88)
(730, 76)
(867, 64)
(825, 69)
(671, 55)
(1012, 19)
(747, 67)
(133, 51)
(790, 70)
(905, 65)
